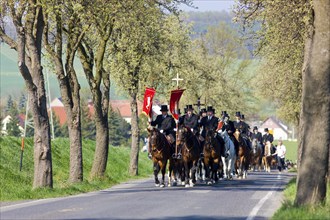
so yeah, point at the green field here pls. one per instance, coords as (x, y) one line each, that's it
(291, 150)
(12, 83)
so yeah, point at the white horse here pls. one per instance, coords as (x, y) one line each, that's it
(229, 161)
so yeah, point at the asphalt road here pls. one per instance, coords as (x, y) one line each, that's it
(257, 197)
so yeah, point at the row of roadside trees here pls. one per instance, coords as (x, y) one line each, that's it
(135, 43)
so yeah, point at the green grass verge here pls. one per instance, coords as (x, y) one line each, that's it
(289, 211)
(17, 185)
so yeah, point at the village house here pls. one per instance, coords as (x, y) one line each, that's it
(276, 127)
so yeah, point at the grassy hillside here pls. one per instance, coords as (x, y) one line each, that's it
(17, 185)
(12, 83)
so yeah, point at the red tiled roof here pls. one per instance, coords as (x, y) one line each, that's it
(121, 106)
(60, 113)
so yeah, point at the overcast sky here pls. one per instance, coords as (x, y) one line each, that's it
(210, 5)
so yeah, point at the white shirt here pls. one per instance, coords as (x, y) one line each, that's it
(281, 150)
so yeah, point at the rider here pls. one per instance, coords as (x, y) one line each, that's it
(267, 137)
(210, 122)
(256, 135)
(166, 124)
(191, 120)
(243, 128)
(230, 128)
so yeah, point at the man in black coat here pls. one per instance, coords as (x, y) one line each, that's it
(267, 137)
(209, 122)
(243, 128)
(256, 135)
(190, 120)
(165, 124)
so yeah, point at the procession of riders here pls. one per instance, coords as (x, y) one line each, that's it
(205, 121)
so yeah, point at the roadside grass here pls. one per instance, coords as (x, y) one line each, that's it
(289, 211)
(17, 185)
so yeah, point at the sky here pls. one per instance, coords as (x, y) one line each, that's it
(210, 5)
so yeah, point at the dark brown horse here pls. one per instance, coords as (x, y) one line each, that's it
(213, 146)
(243, 159)
(160, 151)
(190, 154)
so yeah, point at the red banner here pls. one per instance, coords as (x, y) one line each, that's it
(174, 102)
(147, 102)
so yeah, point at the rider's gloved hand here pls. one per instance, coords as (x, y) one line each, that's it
(161, 131)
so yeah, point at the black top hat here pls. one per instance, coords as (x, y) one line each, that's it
(255, 128)
(242, 117)
(163, 108)
(210, 109)
(223, 112)
(203, 110)
(226, 115)
(266, 129)
(190, 107)
(238, 114)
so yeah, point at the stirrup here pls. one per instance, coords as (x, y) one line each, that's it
(174, 156)
(179, 156)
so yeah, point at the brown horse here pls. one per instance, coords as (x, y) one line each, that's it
(212, 155)
(160, 151)
(190, 154)
(242, 162)
(256, 156)
(268, 159)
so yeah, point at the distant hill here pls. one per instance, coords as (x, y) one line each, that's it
(12, 83)
(203, 20)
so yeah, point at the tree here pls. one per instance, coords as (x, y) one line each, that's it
(277, 32)
(63, 16)
(27, 17)
(92, 51)
(315, 111)
(302, 26)
(144, 40)
(219, 65)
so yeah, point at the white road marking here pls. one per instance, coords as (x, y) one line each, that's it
(261, 202)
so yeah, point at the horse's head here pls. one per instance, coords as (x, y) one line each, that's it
(209, 135)
(183, 134)
(154, 137)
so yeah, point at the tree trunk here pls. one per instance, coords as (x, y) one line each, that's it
(101, 149)
(101, 106)
(76, 158)
(133, 168)
(315, 112)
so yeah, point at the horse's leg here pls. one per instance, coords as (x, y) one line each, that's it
(193, 172)
(215, 168)
(156, 171)
(170, 171)
(163, 169)
(186, 172)
(224, 167)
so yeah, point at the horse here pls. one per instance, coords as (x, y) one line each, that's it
(212, 155)
(267, 157)
(229, 161)
(160, 152)
(256, 157)
(190, 154)
(242, 161)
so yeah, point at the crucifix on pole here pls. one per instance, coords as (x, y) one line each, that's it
(177, 156)
(199, 104)
(177, 79)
